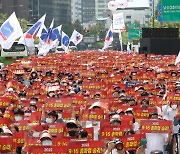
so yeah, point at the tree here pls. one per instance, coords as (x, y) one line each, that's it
(68, 28)
(77, 26)
(158, 24)
(24, 24)
(3, 17)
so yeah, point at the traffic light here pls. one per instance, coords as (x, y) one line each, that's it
(86, 30)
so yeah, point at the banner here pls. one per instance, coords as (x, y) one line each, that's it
(156, 126)
(140, 113)
(93, 85)
(61, 103)
(171, 10)
(109, 131)
(47, 150)
(86, 147)
(131, 142)
(118, 21)
(6, 145)
(58, 128)
(93, 115)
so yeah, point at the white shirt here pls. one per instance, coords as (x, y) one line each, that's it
(96, 129)
(155, 141)
(169, 114)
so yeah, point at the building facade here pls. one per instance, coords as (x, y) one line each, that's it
(60, 10)
(20, 7)
(88, 11)
(101, 8)
(76, 10)
(32, 10)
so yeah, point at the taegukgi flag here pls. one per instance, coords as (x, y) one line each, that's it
(76, 37)
(108, 38)
(10, 31)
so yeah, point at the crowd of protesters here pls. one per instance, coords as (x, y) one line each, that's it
(90, 102)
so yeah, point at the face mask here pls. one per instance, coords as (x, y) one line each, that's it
(36, 134)
(18, 118)
(133, 73)
(49, 120)
(72, 133)
(174, 107)
(47, 143)
(59, 116)
(27, 114)
(10, 89)
(32, 102)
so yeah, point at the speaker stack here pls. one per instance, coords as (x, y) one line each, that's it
(164, 41)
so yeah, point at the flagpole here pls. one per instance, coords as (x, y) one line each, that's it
(120, 40)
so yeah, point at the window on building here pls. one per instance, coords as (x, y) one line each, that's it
(128, 17)
(147, 16)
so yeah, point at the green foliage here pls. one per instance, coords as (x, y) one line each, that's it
(69, 27)
(77, 26)
(99, 45)
(24, 24)
(162, 24)
(3, 17)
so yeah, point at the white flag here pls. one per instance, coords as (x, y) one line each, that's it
(177, 59)
(30, 35)
(65, 42)
(76, 37)
(10, 31)
(108, 38)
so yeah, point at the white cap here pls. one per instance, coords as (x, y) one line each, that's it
(10, 89)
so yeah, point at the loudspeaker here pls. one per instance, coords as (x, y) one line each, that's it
(160, 32)
(164, 46)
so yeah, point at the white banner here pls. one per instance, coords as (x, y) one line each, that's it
(118, 21)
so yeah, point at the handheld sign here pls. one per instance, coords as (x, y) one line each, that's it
(86, 147)
(156, 126)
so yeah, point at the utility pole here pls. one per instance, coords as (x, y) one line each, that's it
(153, 12)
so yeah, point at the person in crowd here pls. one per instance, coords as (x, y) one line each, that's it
(18, 115)
(83, 135)
(73, 129)
(115, 146)
(129, 82)
(46, 138)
